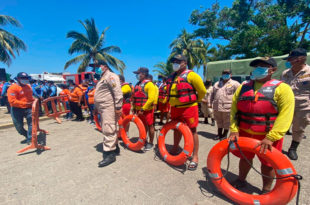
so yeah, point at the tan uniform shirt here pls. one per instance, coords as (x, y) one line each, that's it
(207, 96)
(108, 91)
(222, 94)
(300, 84)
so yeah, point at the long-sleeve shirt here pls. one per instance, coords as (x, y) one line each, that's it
(20, 96)
(5, 88)
(195, 80)
(284, 99)
(36, 90)
(108, 91)
(53, 90)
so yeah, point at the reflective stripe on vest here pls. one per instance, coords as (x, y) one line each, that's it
(259, 111)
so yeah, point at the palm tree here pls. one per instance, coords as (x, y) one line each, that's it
(187, 45)
(164, 69)
(91, 47)
(8, 42)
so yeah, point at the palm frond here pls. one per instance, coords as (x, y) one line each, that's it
(5, 20)
(84, 64)
(75, 60)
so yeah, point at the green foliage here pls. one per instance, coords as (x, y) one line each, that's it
(9, 43)
(164, 69)
(255, 28)
(194, 49)
(90, 47)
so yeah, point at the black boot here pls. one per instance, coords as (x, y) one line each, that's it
(224, 136)
(108, 158)
(206, 121)
(213, 123)
(292, 154)
(117, 150)
(219, 134)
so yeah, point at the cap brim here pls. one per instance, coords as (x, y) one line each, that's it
(255, 62)
(136, 72)
(93, 65)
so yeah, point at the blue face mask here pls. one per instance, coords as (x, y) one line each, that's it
(260, 73)
(288, 64)
(252, 77)
(90, 87)
(138, 77)
(98, 71)
(226, 76)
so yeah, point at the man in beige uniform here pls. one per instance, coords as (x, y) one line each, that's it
(221, 100)
(298, 77)
(205, 105)
(108, 103)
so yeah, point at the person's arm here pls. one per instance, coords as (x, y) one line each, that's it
(211, 97)
(53, 91)
(115, 86)
(233, 120)
(197, 83)
(285, 100)
(34, 92)
(151, 92)
(4, 89)
(12, 98)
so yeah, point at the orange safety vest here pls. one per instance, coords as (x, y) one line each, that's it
(65, 92)
(91, 98)
(75, 93)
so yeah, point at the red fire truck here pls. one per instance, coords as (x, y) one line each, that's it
(79, 77)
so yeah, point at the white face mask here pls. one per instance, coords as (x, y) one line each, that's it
(176, 66)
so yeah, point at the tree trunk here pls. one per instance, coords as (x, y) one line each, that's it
(303, 35)
(204, 72)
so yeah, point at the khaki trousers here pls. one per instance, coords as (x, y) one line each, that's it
(222, 119)
(207, 112)
(109, 126)
(300, 121)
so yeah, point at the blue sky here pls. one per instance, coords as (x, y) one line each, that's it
(143, 29)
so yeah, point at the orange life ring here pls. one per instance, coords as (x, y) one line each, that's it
(188, 143)
(142, 132)
(284, 189)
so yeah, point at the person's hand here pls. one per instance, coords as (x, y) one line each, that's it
(209, 106)
(264, 145)
(233, 136)
(29, 103)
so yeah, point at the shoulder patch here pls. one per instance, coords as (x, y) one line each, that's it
(112, 81)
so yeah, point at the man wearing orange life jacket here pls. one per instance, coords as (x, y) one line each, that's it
(262, 109)
(76, 96)
(90, 93)
(143, 102)
(65, 92)
(20, 99)
(185, 90)
(163, 104)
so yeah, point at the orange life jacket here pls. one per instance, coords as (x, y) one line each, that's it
(186, 91)
(91, 98)
(140, 96)
(259, 111)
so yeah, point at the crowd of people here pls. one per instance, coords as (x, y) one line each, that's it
(262, 108)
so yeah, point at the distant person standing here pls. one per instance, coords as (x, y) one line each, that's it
(20, 99)
(163, 104)
(205, 104)
(108, 103)
(4, 95)
(127, 94)
(76, 95)
(221, 99)
(298, 77)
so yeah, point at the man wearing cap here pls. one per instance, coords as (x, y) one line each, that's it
(4, 95)
(221, 99)
(143, 102)
(185, 90)
(20, 99)
(298, 77)
(108, 103)
(205, 105)
(262, 109)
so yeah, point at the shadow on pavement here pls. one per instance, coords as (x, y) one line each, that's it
(207, 135)
(209, 190)
(41, 140)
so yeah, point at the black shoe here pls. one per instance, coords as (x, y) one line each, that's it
(76, 119)
(288, 133)
(81, 119)
(117, 151)
(160, 123)
(292, 154)
(109, 158)
(23, 141)
(206, 121)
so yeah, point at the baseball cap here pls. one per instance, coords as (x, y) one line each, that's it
(22, 75)
(296, 53)
(179, 57)
(142, 70)
(226, 71)
(269, 60)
